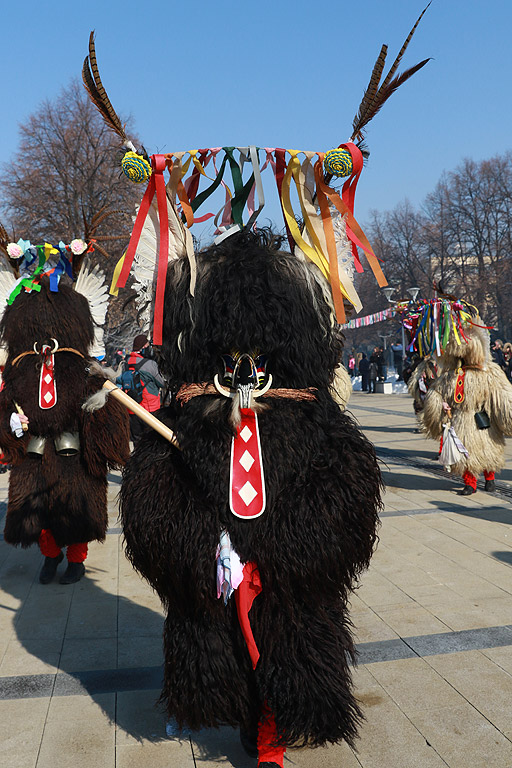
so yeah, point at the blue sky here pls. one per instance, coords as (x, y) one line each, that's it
(278, 73)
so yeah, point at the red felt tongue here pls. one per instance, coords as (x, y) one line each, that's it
(246, 483)
(47, 388)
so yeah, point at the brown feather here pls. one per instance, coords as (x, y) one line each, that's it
(384, 93)
(369, 107)
(371, 90)
(398, 59)
(98, 94)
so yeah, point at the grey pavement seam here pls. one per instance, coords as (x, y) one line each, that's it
(94, 682)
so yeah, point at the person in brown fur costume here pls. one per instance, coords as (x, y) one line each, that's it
(474, 396)
(280, 672)
(58, 481)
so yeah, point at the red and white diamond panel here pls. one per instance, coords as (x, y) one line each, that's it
(246, 481)
(47, 388)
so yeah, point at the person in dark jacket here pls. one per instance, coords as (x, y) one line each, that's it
(364, 370)
(150, 378)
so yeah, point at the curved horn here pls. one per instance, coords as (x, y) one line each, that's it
(260, 392)
(220, 389)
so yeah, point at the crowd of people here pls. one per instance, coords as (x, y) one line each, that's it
(502, 356)
(371, 370)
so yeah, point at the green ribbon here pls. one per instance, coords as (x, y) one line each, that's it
(28, 283)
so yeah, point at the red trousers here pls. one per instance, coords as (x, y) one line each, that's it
(245, 595)
(76, 553)
(470, 479)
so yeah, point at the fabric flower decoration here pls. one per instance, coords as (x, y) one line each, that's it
(77, 246)
(14, 250)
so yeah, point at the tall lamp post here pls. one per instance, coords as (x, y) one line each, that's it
(413, 293)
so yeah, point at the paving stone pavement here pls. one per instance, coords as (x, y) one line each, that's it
(80, 666)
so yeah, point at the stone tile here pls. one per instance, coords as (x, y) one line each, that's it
(140, 719)
(81, 728)
(134, 618)
(21, 728)
(463, 737)
(93, 619)
(411, 619)
(369, 627)
(138, 651)
(484, 684)
(212, 747)
(42, 656)
(387, 736)
(403, 679)
(169, 754)
(338, 756)
(88, 653)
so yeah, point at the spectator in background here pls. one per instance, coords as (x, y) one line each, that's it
(352, 366)
(507, 355)
(497, 354)
(378, 358)
(364, 371)
(140, 361)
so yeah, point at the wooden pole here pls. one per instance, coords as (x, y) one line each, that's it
(141, 412)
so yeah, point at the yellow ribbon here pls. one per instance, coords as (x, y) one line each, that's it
(114, 291)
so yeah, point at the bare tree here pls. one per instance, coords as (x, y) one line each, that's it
(66, 170)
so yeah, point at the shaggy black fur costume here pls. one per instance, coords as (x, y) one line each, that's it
(319, 527)
(65, 494)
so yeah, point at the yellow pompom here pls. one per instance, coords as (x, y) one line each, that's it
(338, 162)
(136, 167)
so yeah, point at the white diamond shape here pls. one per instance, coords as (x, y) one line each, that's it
(247, 461)
(48, 397)
(246, 433)
(247, 493)
(48, 378)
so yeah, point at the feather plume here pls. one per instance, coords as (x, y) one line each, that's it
(370, 105)
(7, 282)
(4, 239)
(372, 88)
(97, 93)
(384, 94)
(398, 59)
(92, 284)
(145, 261)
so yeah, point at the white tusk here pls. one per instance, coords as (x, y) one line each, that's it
(220, 389)
(260, 392)
(35, 348)
(55, 345)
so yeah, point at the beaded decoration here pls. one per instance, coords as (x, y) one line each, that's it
(136, 167)
(338, 162)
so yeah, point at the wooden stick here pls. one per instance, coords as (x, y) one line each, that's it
(141, 412)
(24, 424)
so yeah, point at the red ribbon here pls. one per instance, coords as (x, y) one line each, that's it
(245, 595)
(156, 186)
(279, 174)
(348, 195)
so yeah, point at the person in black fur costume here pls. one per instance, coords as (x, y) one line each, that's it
(57, 500)
(315, 536)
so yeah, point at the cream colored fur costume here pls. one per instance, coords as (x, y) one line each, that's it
(341, 387)
(428, 367)
(485, 388)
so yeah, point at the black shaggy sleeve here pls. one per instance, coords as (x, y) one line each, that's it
(170, 532)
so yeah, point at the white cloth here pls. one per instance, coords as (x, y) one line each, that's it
(15, 424)
(452, 448)
(230, 571)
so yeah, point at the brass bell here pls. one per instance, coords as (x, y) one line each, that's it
(67, 444)
(35, 447)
